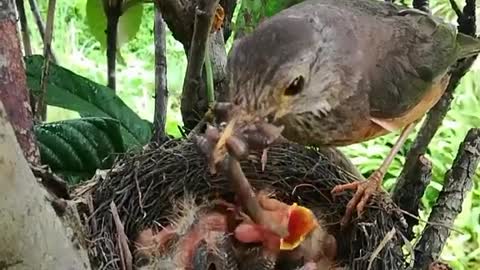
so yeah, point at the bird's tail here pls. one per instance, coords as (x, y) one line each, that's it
(468, 45)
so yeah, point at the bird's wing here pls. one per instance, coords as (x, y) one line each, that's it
(410, 67)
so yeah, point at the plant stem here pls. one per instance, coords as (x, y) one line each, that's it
(24, 27)
(161, 90)
(113, 10)
(40, 25)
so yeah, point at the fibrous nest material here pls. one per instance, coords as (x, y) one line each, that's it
(144, 187)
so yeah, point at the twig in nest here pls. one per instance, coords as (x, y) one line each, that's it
(458, 180)
(126, 256)
(40, 106)
(196, 57)
(381, 246)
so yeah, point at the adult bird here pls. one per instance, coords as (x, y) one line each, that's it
(340, 72)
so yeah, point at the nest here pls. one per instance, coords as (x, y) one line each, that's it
(144, 187)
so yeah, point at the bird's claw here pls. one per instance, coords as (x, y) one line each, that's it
(364, 191)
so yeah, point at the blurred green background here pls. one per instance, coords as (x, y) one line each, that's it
(78, 50)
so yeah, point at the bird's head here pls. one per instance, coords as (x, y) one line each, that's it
(272, 70)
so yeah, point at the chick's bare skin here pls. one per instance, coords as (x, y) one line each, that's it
(179, 242)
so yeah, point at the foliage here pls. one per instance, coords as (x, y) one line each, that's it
(71, 91)
(76, 148)
(78, 50)
(128, 24)
(252, 12)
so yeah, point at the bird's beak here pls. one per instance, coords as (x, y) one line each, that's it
(301, 221)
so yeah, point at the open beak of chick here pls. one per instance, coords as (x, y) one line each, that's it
(298, 220)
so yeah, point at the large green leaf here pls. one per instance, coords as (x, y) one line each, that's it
(252, 12)
(78, 147)
(128, 24)
(73, 92)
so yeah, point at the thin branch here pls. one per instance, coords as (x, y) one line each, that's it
(196, 57)
(27, 45)
(40, 25)
(161, 91)
(41, 106)
(409, 197)
(24, 27)
(113, 10)
(422, 5)
(436, 115)
(455, 8)
(457, 182)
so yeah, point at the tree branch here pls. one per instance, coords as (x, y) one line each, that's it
(40, 110)
(409, 197)
(457, 181)
(41, 27)
(31, 230)
(161, 91)
(175, 14)
(436, 115)
(13, 85)
(24, 27)
(190, 106)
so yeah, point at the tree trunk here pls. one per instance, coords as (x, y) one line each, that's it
(33, 237)
(13, 88)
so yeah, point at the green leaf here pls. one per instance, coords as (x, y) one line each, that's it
(70, 91)
(252, 12)
(79, 146)
(128, 24)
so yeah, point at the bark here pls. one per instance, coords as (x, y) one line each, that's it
(32, 237)
(161, 91)
(218, 57)
(192, 109)
(13, 88)
(457, 182)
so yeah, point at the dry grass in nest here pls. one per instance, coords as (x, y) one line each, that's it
(144, 186)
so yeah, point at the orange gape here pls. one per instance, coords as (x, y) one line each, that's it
(301, 221)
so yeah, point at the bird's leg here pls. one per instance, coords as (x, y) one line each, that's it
(365, 189)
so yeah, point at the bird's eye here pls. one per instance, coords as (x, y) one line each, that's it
(295, 87)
